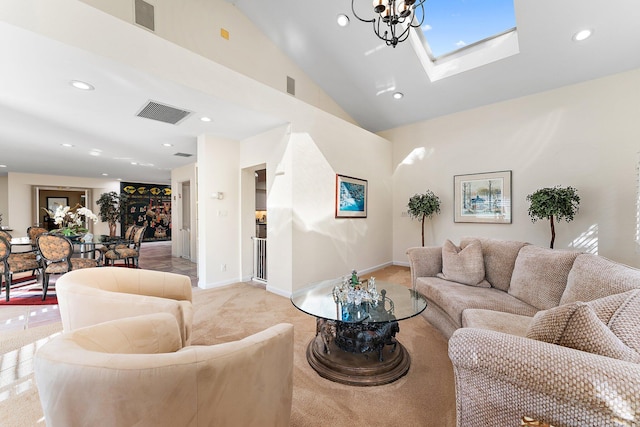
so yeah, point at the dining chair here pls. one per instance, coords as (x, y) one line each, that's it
(12, 263)
(57, 257)
(128, 253)
(33, 232)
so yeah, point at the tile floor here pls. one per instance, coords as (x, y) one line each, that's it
(153, 256)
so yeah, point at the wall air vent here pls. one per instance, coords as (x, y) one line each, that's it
(183, 155)
(163, 113)
(144, 15)
(291, 86)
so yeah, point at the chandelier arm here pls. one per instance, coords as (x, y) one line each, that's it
(356, 15)
(421, 5)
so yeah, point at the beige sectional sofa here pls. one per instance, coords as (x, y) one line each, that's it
(549, 334)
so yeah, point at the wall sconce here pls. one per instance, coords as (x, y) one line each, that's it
(218, 195)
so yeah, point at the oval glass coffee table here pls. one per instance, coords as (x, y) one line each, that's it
(355, 344)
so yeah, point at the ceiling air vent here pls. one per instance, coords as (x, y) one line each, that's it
(145, 15)
(163, 113)
(183, 155)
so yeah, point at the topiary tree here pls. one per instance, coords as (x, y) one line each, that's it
(112, 207)
(556, 203)
(423, 206)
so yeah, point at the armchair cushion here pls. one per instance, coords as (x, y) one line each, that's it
(607, 327)
(463, 265)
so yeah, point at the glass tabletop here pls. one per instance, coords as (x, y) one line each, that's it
(399, 303)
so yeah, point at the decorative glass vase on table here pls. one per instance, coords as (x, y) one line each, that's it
(352, 292)
(71, 222)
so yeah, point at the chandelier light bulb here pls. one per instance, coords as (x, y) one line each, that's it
(403, 9)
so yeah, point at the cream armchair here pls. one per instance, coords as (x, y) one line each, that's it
(135, 371)
(96, 295)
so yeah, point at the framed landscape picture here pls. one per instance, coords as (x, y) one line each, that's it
(351, 197)
(54, 202)
(483, 197)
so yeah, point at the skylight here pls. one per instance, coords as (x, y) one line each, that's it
(450, 25)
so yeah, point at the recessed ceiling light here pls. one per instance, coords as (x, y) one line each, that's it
(342, 20)
(134, 163)
(398, 95)
(3, 166)
(582, 35)
(95, 152)
(81, 85)
(166, 144)
(67, 145)
(105, 174)
(205, 119)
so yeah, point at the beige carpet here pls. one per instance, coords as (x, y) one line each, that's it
(424, 397)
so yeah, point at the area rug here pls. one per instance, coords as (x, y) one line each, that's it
(29, 292)
(425, 397)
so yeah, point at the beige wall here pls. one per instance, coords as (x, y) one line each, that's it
(196, 25)
(4, 201)
(20, 192)
(586, 136)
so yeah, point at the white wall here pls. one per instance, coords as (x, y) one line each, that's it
(586, 136)
(19, 192)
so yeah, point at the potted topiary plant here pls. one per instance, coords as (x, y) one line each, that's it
(112, 206)
(423, 206)
(555, 204)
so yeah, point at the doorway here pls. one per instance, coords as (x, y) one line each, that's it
(51, 197)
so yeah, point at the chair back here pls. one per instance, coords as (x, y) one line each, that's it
(128, 235)
(138, 236)
(33, 232)
(5, 249)
(6, 235)
(54, 248)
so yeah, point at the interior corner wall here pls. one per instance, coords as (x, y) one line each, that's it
(178, 176)
(585, 135)
(218, 219)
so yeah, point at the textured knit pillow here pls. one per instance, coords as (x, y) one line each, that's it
(540, 276)
(580, 326)
(464, 266)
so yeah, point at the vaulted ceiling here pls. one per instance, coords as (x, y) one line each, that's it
(39, 111)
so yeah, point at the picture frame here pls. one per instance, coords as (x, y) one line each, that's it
(483, 197)
(351, 197)
(54, 202)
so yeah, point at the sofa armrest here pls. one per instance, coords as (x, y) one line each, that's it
(500, 378)
(424, 261)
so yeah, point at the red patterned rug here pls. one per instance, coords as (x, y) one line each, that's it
(28, 291)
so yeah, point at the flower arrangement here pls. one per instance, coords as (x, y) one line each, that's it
(71, 221)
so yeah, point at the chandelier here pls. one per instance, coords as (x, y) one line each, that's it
(389, 25)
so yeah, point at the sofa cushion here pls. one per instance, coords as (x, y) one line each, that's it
(453, 298)
(580, 325)
(499, 259)
(508, 323)
(593, 277)
(464, 266)
(540, 276)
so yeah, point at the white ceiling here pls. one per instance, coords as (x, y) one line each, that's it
(39, 110)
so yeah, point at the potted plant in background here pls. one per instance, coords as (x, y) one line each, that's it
(423, 206)
(111, 205)
(555, 204)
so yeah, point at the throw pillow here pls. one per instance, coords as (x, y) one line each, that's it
(540, 276)
(464, 266)
(579, 326)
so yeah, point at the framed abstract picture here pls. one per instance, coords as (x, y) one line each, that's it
(483, 197)
(351, 197)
